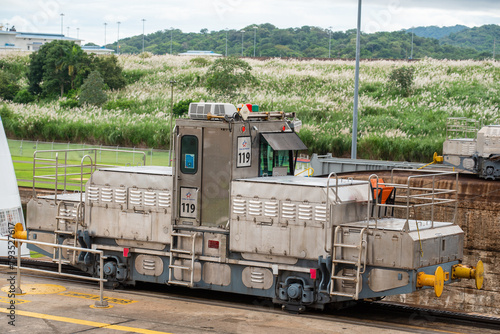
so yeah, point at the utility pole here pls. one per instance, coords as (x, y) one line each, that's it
(143, 20)
(172, 83)
(226, 42)
(62, 15)
(105, 24)
(254, 39)
(171, 30)
(78, 33)
(242, 33)
(329, 41)
(494, 40)
(118, 39)
(411, 53)
(356, 88)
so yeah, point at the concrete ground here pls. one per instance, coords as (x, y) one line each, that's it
(61, 306)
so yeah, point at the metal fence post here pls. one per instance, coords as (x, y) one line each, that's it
(101, 302)
(18, 278)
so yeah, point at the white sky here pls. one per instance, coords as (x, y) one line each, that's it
(193, 15)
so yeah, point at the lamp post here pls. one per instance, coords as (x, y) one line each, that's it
(105, 24)
(330, 41)
(62, 15)
(172, 83)
(143, 20)
(242, 33)
(411, 53)
(226, 42)
(254, 39)
(118, 39)
(77, 33)
(356, 87)
(171, 30)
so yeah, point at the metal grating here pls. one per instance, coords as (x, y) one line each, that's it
(271, 209)
(121, 195)
(148, 264)
(149, 198)
(254, 208)
(164, 200)
(320, 213)
(256, 277)
(288, 211)
(106, 194)
(239, 206)
(135, 197)
(93, 194)
(305, 212)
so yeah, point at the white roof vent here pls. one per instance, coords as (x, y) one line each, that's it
(201, 110)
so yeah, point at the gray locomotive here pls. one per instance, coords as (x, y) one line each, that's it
(473, 151)
(231, 216)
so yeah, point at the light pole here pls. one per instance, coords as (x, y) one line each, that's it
(254, 39)
(143, 20)
(242, 33)
(411, 53)
(356, 87)
(105, 24)
(171, 30)
(67, 29)
(226, 42)
(62, 15)
(330, 41)
(77, 33)
(118, 39)
(172, 83)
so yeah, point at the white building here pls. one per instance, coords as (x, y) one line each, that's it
(200, 53)
(29, 41)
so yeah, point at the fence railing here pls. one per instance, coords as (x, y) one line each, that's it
(99, 303)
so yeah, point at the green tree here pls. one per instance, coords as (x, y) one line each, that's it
(92, 91)
(58, 67)
(111, 71)
(227, 75)
(402, 77)
(8, 86)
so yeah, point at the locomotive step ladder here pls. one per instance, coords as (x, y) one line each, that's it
(182, 254)
(358, 266)
(67, 214)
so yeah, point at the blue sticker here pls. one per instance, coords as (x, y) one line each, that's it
(189, 158)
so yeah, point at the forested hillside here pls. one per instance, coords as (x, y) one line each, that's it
(435, 31)
(308, 41)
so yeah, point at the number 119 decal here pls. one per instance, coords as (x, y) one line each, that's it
(244, 158)
(189, 203)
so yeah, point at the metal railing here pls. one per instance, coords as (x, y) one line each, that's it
(100, 303)
(57, 168)
(461, 127)
(410, 196)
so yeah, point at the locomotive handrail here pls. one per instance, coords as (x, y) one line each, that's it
(56, 164)
(99, 303)
(328, 205)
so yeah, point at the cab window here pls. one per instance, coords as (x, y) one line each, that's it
(189, 154)
(269, 159)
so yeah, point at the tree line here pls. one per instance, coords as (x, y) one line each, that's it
(306, 41)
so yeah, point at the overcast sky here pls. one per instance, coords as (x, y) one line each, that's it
(193, 15)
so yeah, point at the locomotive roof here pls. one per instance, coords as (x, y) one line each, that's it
(157, 170)
(303, 181)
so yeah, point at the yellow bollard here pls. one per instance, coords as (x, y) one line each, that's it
(19, 233)
(436, 280)
(463, 271)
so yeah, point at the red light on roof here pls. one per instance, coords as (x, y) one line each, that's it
(283, 129)
(243, 128)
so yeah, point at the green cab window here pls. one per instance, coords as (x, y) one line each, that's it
(189, 154)
(270, 159)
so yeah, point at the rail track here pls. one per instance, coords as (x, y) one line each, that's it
(379, 315)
